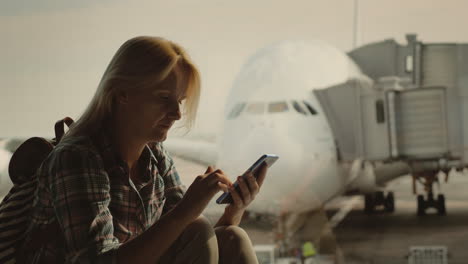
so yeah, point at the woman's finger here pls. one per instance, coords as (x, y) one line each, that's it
(209, 170)
(212, 173)
(244, 189)
(223, 187)
(261, 174)
(238, 202)
(216, 177)
(253, 185)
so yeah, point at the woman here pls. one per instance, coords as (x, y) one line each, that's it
(113, 190)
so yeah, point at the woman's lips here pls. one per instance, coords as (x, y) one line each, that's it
(165, 125)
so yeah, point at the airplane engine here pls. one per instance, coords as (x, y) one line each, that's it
(5, 182)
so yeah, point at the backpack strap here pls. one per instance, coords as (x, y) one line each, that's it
(60, 128)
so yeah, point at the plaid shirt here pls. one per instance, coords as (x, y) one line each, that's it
(86, 188)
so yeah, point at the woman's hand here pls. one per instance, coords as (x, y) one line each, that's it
(249, 188)
(202, 190)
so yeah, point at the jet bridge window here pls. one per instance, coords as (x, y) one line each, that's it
(255, 108)
(310, 108)
(409, 63)
(299, 108)
(277, 107)
(380, 111)
(236, 110)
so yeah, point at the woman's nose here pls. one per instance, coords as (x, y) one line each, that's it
(175, 112)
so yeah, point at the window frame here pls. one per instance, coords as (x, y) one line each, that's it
(236, 110)
(250, 112)
(299, 109)
(309, 107)
(286, 109)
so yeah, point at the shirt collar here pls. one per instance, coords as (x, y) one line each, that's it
(113, 161)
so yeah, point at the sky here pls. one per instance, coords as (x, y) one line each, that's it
(54, 52)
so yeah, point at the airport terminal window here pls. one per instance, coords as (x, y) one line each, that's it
(236, 110)
(277, 107)
(311, 109)
(299, 108)
(255, 108)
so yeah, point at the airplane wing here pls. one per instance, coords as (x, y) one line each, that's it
(199, 151)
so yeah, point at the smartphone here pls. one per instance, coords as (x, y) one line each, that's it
(269, 159)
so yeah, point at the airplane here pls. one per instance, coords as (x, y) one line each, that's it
(277, 104)
(343, 123)
(272, 108)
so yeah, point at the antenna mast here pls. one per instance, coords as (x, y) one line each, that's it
(355, 23)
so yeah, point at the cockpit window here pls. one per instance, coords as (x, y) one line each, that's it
(310, 108)
(255, 108)
(277, 107)
(236, 110)
(299, 108)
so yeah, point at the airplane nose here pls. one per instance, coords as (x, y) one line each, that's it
(236, 157)
(288, 182)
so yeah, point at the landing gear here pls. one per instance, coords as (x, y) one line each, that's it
(430, 202)
(421, 205)
(441, 205)
(428, 180)
(373, 200)
(390, 203)
(369, 204)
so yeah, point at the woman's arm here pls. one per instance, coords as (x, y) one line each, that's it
(151, 244)
(79, 188)
(174, 189)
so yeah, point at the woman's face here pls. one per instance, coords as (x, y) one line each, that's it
(152, 112)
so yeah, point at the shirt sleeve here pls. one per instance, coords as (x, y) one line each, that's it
(174, 190)
(79, 188)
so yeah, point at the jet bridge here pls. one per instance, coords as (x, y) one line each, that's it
(415, 110)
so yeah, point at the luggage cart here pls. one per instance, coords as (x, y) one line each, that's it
(427, 255)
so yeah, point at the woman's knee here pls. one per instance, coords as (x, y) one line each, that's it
(232, 235)
(201, 229)
(196, 244)
(234, 246)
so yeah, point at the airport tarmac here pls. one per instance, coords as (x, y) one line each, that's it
(381, 237)
(386, 238)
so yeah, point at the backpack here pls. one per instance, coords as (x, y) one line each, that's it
(15, 209)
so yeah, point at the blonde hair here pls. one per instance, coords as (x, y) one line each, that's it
(141, 62)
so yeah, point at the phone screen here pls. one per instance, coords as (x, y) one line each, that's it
(269, 159)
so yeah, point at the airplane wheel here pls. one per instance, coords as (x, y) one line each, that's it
(421, 205)
(390, 203)
(369, 203)
(441, 205)
(379, 198)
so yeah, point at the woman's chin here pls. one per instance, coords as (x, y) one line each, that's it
(159, 136)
